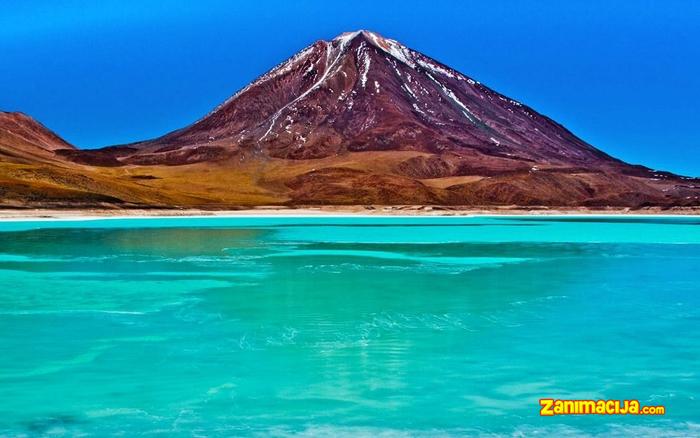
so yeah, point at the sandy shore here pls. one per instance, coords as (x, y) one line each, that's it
(360, 210)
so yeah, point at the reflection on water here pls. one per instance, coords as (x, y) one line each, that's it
(243, 327)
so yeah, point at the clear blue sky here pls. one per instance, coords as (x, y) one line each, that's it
(623, 75)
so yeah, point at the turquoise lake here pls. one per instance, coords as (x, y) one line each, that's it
(347, 326)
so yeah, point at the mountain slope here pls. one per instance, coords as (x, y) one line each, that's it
(23, 139)
(35, 173)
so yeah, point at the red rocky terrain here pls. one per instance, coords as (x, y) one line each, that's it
(341, 116)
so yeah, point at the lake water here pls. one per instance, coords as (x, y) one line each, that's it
(347, 326)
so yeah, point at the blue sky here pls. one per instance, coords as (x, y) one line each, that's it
(622, 75)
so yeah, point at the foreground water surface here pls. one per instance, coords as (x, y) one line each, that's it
(347, 326)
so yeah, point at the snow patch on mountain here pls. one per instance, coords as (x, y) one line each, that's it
(449, 93)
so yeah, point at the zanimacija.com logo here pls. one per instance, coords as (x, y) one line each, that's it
(550, 407)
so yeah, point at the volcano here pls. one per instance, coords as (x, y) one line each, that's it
(362, 92)
(362, 119)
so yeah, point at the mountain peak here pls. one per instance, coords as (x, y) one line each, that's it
(349, 36)
(391, 47)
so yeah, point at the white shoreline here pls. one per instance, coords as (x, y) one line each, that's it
(252, 214)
